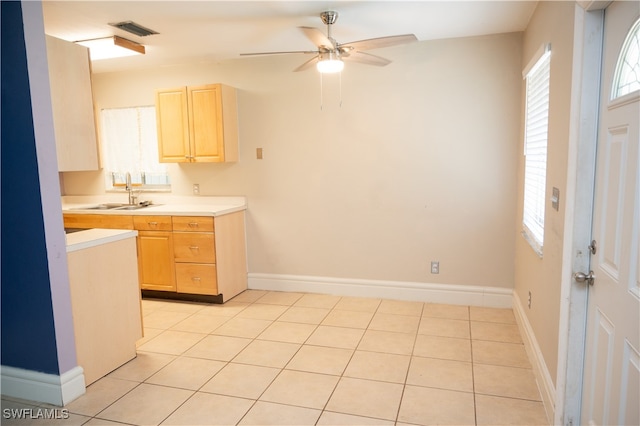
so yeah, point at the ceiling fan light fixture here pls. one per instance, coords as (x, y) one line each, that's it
(329, 63)
(329, 66)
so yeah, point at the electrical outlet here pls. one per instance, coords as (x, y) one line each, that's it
(529, 301)
(196, 189)
(435, 267)
(259, 153)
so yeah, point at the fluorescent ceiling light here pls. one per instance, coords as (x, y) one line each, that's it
(111, 47)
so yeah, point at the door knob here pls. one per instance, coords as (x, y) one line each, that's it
(581, 277)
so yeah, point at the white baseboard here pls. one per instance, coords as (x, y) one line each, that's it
(540, 370)
(42, 387)
(494, 297)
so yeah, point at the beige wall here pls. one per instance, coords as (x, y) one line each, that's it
(552, 22)
(416, 165)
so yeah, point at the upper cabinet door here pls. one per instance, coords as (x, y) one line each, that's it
(205, 123)
(72, 103)
(172, 115)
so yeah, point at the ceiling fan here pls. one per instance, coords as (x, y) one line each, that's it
(330, 54)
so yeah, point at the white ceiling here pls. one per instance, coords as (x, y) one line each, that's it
(208, 31)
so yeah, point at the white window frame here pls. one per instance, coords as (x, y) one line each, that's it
(536, 134)
(627, 74)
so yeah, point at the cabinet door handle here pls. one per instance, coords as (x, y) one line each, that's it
(194, 247)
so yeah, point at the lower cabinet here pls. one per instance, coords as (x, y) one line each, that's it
(183, 257)
(155, 253)
(155, 261)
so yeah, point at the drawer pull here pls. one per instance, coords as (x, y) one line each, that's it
(194, 247)
(195, 278)
(154, 224)
(193, 224)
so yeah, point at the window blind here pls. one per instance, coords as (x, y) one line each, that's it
(535, 150)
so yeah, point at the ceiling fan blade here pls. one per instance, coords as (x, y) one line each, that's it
(366, 58)
(308, 64)
(377, 43)
(280, 53)
(317, 37)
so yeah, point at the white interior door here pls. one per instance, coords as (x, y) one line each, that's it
(611, 391)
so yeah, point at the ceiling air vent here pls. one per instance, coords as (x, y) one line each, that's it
(134, 28)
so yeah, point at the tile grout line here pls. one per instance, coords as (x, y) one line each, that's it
(406, 376)
(473, 377)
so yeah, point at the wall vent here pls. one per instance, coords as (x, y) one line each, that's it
(134, 28)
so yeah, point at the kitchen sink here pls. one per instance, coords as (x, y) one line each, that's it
(131, 207)
(108, 206)
(116, 206)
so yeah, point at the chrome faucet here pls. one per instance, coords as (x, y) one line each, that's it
(129, 188)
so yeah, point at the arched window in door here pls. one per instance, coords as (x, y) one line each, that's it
(627, 76)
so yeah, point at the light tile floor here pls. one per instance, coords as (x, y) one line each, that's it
(291, 358)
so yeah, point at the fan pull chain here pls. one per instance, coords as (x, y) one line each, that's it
(340, 85)
(320, 91)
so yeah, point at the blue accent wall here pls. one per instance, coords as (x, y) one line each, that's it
(26, 316)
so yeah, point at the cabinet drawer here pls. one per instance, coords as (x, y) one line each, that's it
(197, 247)
(152, 223)
(109, 221)
(193, 223)
(196, 278)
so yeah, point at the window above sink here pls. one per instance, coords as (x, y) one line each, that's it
(130, 145)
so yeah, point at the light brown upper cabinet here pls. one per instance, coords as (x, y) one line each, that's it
(72, 104)
(197, 124)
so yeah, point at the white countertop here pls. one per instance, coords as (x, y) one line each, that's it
(162, 205)
(94, 237)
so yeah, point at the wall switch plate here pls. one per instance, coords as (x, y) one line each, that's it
(196, 189)
(435, 267)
